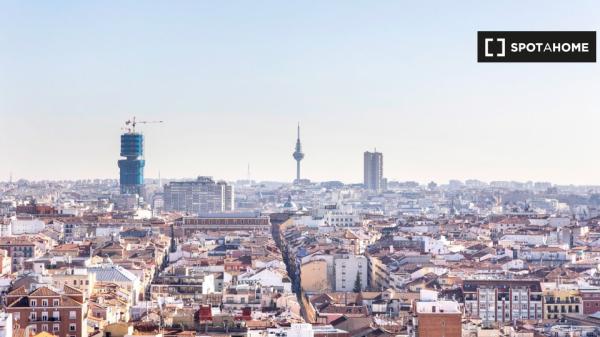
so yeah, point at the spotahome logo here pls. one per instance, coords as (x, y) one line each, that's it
(566, 46)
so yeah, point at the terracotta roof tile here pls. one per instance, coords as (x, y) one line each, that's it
(20, 291)
(44, 291)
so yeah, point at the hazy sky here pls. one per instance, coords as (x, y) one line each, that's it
(231, 79)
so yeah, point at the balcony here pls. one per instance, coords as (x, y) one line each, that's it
(44, 319)
(552, 300)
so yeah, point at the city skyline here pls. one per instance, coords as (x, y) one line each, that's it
(298, 151)
(317, 169)
(353, 87)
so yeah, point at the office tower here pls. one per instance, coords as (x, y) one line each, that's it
(298, 155)
(131, 177)
(229, 198)
(199, 196)
(373, 171)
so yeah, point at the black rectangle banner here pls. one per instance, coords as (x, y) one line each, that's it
(536, 46)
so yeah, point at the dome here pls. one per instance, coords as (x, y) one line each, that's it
(289, 204)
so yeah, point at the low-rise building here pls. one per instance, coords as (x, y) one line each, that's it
(560, 299)
(62, 313)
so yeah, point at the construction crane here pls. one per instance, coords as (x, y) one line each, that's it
(134, 122)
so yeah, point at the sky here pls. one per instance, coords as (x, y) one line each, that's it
(231, 79)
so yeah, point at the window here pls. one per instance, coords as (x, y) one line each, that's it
(44, 327)
(45, 317)
(33, 303)
(56, 315)
(44, 304)
(55, 303)
(32, 316)
(72, 327)
(72, 314)
(56, 328)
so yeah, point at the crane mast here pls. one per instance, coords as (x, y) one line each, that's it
(131, 123)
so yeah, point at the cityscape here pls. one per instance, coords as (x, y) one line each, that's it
(207, 257)
(299, 169)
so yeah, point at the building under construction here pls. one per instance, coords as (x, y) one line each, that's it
(131, 176)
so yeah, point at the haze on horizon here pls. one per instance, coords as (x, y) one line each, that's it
(231, 80)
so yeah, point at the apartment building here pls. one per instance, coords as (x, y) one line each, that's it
(437, 318)
(20, 249)
(347, 267)
(590, 300)
(61, 313)
(503, 300)
(560, 299)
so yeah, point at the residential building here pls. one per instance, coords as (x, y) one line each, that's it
(110, 273)
(62, 313)
(314, 276)
(560, 299)
(199, 196)
(6, 324)
(503, 300)
(20, 249)
(5, 263)
(347, 268)
(437, 318)
(590, 300)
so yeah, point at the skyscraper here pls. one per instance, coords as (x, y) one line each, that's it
(373, 171)
(298, 155)
(131, 176)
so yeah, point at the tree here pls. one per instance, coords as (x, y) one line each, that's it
(173, 242)
(357, 284)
